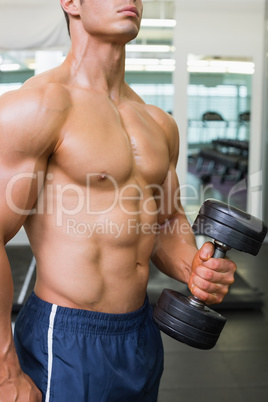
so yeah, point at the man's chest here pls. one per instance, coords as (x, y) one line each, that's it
(100, 140)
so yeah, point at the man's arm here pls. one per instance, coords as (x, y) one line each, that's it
(175, 252)
(24, 151)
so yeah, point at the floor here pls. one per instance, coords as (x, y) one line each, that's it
(236, 369)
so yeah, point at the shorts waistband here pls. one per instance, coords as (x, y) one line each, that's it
(78, 320)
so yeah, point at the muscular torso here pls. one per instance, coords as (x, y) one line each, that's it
(96, 217)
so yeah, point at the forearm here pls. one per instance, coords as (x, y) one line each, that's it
(175, 248)
(7, 349)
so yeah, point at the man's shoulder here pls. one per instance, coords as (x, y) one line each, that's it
(35, 94)
(168, 125)
(49, 89)
(160, 115)
(33, 111)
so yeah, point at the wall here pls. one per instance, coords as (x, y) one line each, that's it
(265, 119)
(226, 28)
(32, 24)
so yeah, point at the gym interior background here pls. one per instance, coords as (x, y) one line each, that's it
(205, 62)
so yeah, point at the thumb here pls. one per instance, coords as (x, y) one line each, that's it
(206, 251)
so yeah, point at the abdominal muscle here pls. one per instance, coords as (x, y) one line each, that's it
(98, 263)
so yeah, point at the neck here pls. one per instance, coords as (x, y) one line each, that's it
(97, 64)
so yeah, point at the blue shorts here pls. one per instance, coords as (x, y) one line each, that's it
(80, 356)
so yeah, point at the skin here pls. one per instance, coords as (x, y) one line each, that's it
(80, 169)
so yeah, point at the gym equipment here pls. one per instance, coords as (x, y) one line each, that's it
(16, 307)
(188, 319)
(22, 265)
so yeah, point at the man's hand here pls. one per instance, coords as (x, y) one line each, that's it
(210, 277)
(20, 389)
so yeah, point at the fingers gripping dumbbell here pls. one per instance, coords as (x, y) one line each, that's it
(188, 319)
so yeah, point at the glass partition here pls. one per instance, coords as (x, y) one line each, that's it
(218, 133)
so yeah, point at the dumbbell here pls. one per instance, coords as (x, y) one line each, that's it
(188, 319)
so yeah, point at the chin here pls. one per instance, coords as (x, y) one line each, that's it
(129, 35)
(128, 29)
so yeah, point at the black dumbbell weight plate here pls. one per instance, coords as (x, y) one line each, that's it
(230, 226)
(178, 306)
(219, 231)
(183, 332)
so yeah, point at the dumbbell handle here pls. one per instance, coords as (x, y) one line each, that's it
(219, 252)
(220, 249)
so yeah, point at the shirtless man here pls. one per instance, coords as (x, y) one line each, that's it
(89, 170)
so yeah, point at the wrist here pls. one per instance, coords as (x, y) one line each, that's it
(8, 354)
(9, 366)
